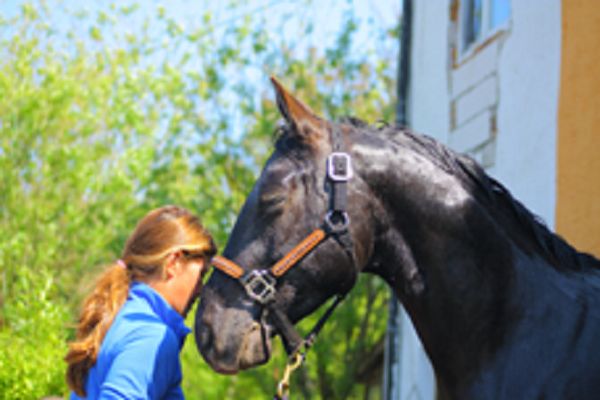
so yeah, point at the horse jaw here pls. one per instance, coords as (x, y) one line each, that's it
(229, 339)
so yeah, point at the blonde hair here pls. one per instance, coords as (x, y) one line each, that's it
(161, 232)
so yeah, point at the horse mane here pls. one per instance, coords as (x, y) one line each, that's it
(491, 194)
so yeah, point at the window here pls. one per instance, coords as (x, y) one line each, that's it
(478, 31)
(480, 19)
(471, 22)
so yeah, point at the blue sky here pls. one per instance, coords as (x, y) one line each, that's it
(326, 15)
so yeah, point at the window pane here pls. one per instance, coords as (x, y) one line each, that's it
(500, 12)
(471, 22)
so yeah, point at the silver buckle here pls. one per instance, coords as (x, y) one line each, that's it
(339, 167)
(260, 285)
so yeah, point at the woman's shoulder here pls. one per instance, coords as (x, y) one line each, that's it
(135, 326)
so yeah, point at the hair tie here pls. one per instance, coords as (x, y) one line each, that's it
(121, 264)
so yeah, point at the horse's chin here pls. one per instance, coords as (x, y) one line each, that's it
(254, 350)
(247, 360)
(255, 359)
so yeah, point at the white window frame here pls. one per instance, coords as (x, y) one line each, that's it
(487, 31)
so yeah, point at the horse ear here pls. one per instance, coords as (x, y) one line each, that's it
(305, 122)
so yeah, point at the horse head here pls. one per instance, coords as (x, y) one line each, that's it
(291, 198)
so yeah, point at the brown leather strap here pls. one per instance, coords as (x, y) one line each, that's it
(283, 265)
(304, 247)
(228, 266)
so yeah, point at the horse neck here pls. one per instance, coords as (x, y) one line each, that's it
(441, 253)
(476, 287)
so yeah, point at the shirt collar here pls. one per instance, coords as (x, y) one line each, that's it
(162, 309)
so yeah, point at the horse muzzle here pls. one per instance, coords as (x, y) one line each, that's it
(230, 339)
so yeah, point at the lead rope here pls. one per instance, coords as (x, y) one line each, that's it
(297, 358)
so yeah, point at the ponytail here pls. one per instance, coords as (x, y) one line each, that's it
(98, 312)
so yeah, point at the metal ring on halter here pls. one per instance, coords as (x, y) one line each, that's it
(338, 226)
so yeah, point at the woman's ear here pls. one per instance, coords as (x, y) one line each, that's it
(305, 124)
(172, 266)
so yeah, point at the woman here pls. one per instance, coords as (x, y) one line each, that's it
(131, 327)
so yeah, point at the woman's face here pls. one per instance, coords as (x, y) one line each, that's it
(187, 283)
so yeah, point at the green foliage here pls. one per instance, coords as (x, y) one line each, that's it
(99, 124)
(34, 344)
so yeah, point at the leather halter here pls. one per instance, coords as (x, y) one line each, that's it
(260, 284)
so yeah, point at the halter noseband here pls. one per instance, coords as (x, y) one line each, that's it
(260, 284)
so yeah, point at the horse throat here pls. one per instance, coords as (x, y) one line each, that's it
(442, 254)
(418, 213)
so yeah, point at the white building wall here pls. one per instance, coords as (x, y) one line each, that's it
(522, 150)
(429, 111)
(529, 75)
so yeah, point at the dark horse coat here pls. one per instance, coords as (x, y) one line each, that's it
(505, 308)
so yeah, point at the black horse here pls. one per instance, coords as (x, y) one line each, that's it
(505, 308)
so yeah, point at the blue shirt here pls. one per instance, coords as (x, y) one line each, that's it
(139, 356)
